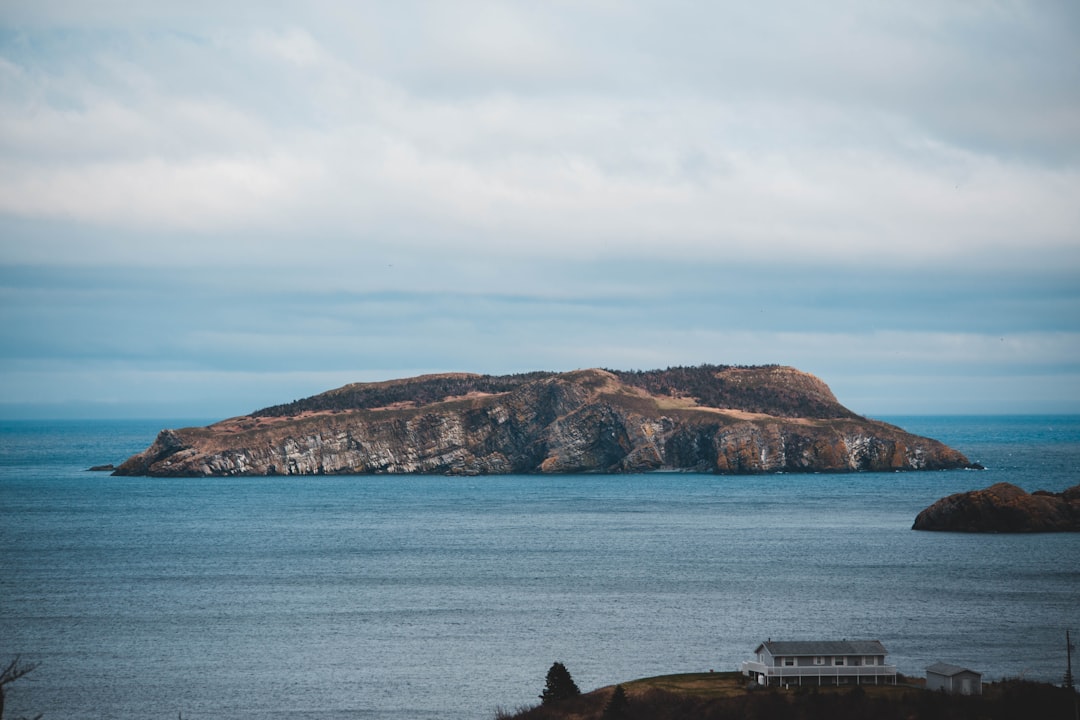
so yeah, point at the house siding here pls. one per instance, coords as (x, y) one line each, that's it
(824, 662)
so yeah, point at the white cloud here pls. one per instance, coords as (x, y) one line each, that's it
(294, 46)
(825, 175)
(640, 155)
(202, 194)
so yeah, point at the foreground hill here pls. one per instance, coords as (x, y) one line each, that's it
(723, 696)
(1004, 507)
(707, 419)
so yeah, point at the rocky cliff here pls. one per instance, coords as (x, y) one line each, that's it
(710, 419)
(1004, 508)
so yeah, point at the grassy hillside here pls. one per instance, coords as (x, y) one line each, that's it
(724, 696)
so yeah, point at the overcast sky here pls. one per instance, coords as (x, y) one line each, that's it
(211, 207)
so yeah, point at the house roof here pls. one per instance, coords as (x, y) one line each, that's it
(816, 648)
(949, 670)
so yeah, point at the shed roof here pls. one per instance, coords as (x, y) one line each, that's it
(815, 648)
(948, 670)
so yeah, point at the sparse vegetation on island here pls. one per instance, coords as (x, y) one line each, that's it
(422, 390)
(767, 389)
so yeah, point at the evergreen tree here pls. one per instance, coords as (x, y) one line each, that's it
(616, 705)
(560, 686)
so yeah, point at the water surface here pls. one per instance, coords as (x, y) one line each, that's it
(438, 597)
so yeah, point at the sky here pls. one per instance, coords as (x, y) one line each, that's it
(207, 208)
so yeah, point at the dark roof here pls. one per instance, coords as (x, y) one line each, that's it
(815, 648)
(949, 670)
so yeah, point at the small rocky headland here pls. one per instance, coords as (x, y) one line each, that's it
(1004, 508)
(709, 418)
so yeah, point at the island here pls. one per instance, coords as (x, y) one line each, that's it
(708, 418)
(1004, 508)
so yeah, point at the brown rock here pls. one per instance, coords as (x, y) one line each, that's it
(1004, 507)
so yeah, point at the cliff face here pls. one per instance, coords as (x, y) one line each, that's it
(1004, 508)
(582, 421)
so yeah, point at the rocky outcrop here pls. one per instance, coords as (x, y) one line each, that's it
(576, 422)
(1004, 508)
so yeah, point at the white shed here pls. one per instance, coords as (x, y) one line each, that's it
(953, 679)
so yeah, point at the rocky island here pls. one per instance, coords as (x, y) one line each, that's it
(1004, 508)
(710, 418)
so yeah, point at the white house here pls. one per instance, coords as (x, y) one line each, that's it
(820, 662)
(953, 679)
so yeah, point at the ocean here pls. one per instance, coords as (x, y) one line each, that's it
(442, 597)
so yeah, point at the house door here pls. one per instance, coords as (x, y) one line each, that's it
(965, 686)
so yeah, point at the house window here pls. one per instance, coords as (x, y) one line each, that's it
(789, 662)
(871, 660)
(819, 661)
(838, 661)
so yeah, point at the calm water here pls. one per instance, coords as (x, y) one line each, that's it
(434, 597)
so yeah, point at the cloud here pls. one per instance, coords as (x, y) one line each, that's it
(210, 189)
(294, 46)
(805, 137)
(210, 194)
